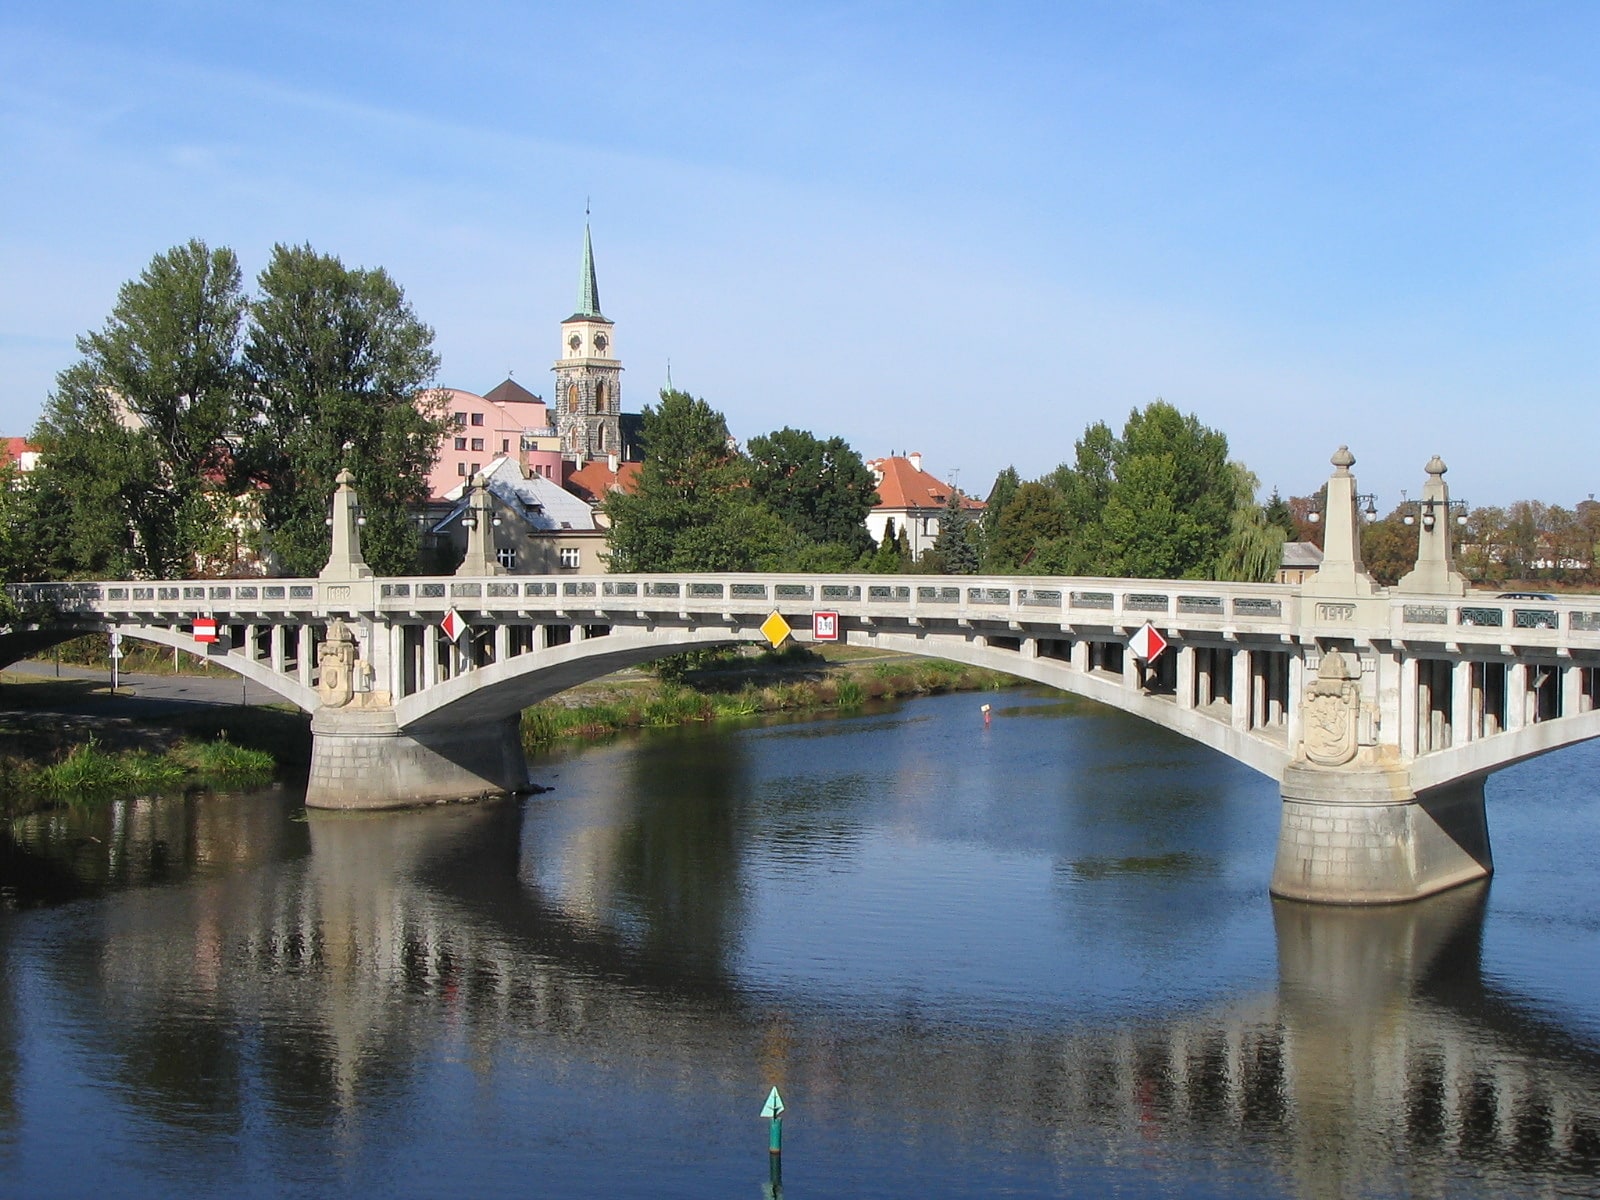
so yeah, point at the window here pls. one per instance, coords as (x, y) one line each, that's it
(461, 443)
(505, 445)
(477, 444)
(477, 418)
(459, 420)
(507, 556)
(570, 557)
(476, 468)
(461, 468)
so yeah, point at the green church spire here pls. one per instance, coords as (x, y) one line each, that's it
(588, 289)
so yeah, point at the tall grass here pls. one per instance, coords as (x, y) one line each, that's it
(676, 704)
(91, 773)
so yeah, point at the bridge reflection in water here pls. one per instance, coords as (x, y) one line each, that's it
(1384, 1062)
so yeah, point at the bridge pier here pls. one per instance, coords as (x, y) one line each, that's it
(361, 760)
(1364, 837)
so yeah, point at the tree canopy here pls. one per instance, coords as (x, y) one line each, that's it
(691, 508)
(1160, 501)
(820, 489)
(195, 408)
(139, 433)
(338, 363)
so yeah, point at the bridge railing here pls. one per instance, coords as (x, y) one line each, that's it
(1016, 601)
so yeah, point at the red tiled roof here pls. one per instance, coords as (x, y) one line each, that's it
(595, 479)
(16, 447)
(903, 486)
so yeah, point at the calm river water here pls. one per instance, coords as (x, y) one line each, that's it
(1033, 959)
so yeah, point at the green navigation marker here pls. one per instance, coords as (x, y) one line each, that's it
(773, 1111)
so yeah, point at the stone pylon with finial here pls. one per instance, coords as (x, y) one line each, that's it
(479, 522)
(344, 559)
(1342, 572)
(1435, 573)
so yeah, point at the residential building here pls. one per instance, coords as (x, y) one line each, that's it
(913, 499)
(1300, 562)
(540, 528)
(508, 422)
(21, 453)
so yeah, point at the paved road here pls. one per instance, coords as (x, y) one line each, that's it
(136, 696)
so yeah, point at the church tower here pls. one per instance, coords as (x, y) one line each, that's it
(588, 399)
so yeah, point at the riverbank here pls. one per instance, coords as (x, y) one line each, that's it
(69, 739)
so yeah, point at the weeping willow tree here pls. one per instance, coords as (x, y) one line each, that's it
(1254, 549)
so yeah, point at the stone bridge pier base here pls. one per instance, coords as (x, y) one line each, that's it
(361, 760)
(1364, 837)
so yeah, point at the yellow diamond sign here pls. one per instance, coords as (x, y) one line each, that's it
(775, 629)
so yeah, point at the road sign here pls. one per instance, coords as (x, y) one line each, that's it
(825, 626)
(116, 653)
(116, 638)
(774, 1105)
(453, 625)
(204, 629)
(1147, 642)
(775, 629)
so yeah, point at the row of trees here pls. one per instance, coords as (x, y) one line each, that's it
(202, 425)
(1162, 500)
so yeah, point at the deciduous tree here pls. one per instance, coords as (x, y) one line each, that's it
(137, 439)
(691, 508)
(341, 370)
(820, 489)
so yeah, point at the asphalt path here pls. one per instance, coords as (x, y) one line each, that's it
(136, 695)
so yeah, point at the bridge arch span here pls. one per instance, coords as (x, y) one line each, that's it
(20, 643)
(502, 689)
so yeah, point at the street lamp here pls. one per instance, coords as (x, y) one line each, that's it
(1370, 511)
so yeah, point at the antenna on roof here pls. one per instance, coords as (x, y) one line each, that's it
(669, 373)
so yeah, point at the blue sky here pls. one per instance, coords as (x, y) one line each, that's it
(965, 229)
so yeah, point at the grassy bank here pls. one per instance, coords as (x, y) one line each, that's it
(91, 773)
(731, 686)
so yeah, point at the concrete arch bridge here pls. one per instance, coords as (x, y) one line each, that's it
(1379, 712)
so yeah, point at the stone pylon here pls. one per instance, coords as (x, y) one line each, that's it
(344, 559)
(1435, 573)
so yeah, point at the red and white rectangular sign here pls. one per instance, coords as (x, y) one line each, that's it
(825, 626)
(205, 629)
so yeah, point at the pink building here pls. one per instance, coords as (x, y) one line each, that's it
(509, 422)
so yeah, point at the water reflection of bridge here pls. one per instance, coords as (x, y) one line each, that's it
(1383, 1060)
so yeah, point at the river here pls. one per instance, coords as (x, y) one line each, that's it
(1035, 957)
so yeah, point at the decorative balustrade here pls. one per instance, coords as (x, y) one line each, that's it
(1114, 604)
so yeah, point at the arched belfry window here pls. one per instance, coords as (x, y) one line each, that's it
(600, 396)
(572, 397)
(600, 439)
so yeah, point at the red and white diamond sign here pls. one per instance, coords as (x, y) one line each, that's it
(453, 625)
(1147, 642)
(205, 629)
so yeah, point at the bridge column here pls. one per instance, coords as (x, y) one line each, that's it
(360, 759)
(1462, 728)
(303, 655)
(1517, 696)
(1571, 689)
(1240, 694)
(1185, 686)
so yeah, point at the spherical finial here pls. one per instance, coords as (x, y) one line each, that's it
(1343, 459)
(1436, 466)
